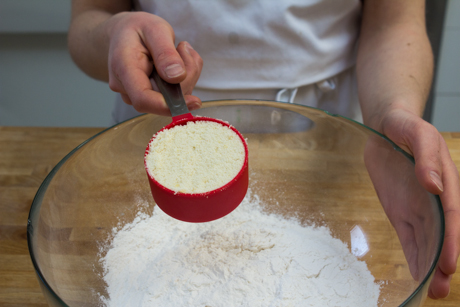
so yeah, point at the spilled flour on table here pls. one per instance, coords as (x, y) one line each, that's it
(247, 258)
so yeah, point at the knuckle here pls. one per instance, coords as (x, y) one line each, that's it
(165, 55)
(140, 101)
(158, 28)
(196, 67)
(159, 24)
(126, 99)
(138, 104)
(116, 79)
(181, 45)
(199, 62)
(114, 84)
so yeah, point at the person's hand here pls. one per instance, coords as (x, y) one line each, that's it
(137, 39)
(437, 173)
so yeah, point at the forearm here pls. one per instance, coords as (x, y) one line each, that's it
(88, 38)
(395, 62)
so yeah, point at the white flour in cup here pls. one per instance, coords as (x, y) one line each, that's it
(247, 258)
(197, 157)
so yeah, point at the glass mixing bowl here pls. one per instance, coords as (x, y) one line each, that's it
(304, 162)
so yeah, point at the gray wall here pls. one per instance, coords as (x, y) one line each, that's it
(446, 114)
(40, 85)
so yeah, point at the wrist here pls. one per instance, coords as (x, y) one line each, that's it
(378, 117)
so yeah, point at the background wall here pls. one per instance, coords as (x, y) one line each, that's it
(41, 86)
(446, 113)
(39, 83)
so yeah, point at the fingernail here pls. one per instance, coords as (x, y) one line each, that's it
(437, 180)
(194, 106)
(174, 70)
(188, 47)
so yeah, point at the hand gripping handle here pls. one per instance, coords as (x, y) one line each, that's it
(172, 94)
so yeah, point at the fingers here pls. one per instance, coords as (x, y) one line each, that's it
(130, 64)
(159, 41)
(127, 76)
(450, 200)
(140, 95)
(145, 100)
(193, 65)
(426, 146)
(438, 174)
(440, 285)
(193, 102)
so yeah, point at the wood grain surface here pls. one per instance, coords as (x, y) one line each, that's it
(27, 155)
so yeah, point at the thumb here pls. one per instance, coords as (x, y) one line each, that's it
(422, 140)
(427, 149)
(166, 59)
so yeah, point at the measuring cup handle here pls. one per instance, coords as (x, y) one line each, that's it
(173, 96)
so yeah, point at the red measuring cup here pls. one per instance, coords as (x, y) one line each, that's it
(195, 207)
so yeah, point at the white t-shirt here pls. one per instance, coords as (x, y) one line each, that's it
(260, 44)
(299, 51)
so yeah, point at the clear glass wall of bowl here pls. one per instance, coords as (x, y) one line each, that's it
(303, 162)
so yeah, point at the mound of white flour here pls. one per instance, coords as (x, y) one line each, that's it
(248, 258)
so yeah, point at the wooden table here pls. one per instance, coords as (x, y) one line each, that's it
(26, 157)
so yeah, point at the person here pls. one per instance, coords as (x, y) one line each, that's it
(346, 56)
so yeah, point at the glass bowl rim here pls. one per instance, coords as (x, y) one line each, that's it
(36, 202)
